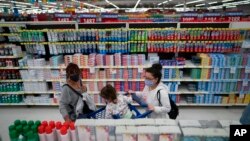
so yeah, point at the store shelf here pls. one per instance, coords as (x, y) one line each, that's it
(10, 57)
(8, 93)
(12, 80)
(27, 104)
(9, 34)
(12, 104)
(10, 68)
(209, 105)
(37, 92)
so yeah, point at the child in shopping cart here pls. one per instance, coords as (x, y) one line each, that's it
(116, 104)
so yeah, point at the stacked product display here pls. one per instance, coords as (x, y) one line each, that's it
(217, 75)
(122, 130)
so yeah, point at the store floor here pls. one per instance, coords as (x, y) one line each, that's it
(9, 114)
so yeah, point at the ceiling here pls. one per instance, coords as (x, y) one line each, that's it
(130, 4)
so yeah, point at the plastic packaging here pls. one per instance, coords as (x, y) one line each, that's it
(41, 133)
(64, 134)
(50, 136)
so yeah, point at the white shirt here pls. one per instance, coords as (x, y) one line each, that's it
(121, 107)
(151, 98)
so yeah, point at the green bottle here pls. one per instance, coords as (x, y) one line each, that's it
(13, 135)
(17, 122)
(24, 122)
(11, 128)
(34, 128)
(38, 123)
(30, 136)
(19, 129)
(31, 123)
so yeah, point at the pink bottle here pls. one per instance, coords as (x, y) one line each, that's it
(41, 133)
(52, 125)
(64, 134)
(49, 134)
(73, 132)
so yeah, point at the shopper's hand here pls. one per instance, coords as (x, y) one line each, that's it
(66, 118)
(151, 107)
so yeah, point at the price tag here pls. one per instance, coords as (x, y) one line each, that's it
(232, 70)
(113, 71)
(216, 70)
(140, 70)
(247, 70)
(92, 70)
(245, 82)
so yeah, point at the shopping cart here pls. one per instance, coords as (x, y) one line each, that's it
(100, 114)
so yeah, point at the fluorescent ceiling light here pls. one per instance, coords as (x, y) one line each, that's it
(90, 5)
(191, 2)
(200, 5)
(4, 4)
(18, 5)
(112, 4)
(179, 5)
(137, 4)
(227, 0)
(21, 2)
(164, 2)
(213, 2)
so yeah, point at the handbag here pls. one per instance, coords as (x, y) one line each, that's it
(174, 112)
(81, 106)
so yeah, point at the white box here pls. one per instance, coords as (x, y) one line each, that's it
(86, 129)
(124, 122)
(130, 133)
(119, 131)
(105, 130)
(167, 122)
(189, 123)
(148, 133)
(169, 133)
(191, 133)
(216, 134)
(144, 122)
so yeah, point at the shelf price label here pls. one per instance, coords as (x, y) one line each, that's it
(232, 69)
(247, 70)
(216, 70)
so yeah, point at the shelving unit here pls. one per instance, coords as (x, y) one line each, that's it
(45, 27)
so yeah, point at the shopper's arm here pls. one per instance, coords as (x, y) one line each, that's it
(108, 112)
(166, 107)
(64, 104)
(128, 99)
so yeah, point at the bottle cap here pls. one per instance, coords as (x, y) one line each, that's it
(12, 127)
(30, 135)
(24, 122)
(41, 129)
(72, 126)
(34, 128)
(19, 128)
(63, 130)
(17, 122)
(45, 123)
(52, 124)
(48, 130)
(66, 124)
(13, 134)
(38, 123)
(31, 122)
(58, 125)
(26, 128)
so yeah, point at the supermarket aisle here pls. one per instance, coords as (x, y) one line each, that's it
(9, 114)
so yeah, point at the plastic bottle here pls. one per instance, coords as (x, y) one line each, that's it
(30, 136)
(45, 123)
(24, 122)
(21, 138)
(58, 127)
(52, 125)
(38, 123)
(49, 134)
(73, 132)
(13, 135)
(11, 128)
(41, 133)
(64, 134)
(31, 123)
(17, 122)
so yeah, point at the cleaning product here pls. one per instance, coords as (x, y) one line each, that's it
(41, 133)
(49, 134)
(73, 132)
(58, 127)
(64, 134)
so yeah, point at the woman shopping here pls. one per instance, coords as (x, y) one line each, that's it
(155, 93)
(74, 99)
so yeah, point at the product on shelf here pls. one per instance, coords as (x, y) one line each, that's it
(34, 36)
(13, 98)
(35, 49)
(11, 87)
(10, 50)
(9, 74)
(9, 63)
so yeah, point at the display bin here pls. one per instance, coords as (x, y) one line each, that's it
(165, 122)
(126, 133)
(148, 133)
(210, 124)
(144, 122)
(86, 129)
(105, 130)
(189, 123)
(216, 134)
(124, 122)
(169, 133)
(192, 134)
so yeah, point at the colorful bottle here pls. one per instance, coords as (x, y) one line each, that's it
(58, 127)
(73, 132)
(64, 134)
(49, 134)
(41, 133)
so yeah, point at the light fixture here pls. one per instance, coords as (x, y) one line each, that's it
(24, 3)
(164, 2)
(191, 2)
(198, 5)
(112, 4)
(227, 0)
(137, 4)
(213, 2)
(179, 5)
(90, 5)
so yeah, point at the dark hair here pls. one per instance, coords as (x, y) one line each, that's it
(155, 70)
(72, 69)
(108, 92)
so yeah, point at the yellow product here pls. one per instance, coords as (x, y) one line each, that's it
(225, 100)
(247, 98)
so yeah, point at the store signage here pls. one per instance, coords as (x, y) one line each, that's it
(87, 18)
(109, 17)
(189, 17)
(211, 17)
(63, 17)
